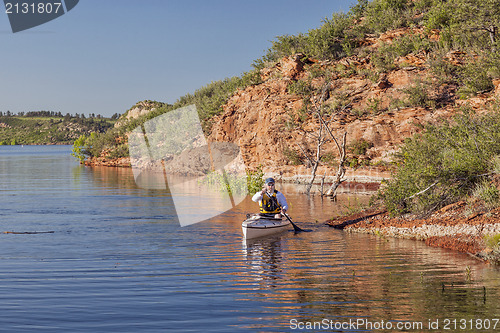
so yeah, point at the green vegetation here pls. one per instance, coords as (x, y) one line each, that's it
(488, 193)
(291, 155)
(333, 40)
(493, 242)
(255, 180)
(384, 57)
(446, 163)
(225, 182)
(44, 127)
(359, 147)
(417, 95)
(234, 184)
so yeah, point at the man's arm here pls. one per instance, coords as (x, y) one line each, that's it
(257, 197)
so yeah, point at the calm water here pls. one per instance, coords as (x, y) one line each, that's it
(117, 261)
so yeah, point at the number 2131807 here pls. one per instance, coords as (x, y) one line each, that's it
(33, 8)
(471, 324)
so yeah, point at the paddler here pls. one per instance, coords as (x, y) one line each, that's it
(271, 201)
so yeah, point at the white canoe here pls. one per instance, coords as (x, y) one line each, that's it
(259, 226)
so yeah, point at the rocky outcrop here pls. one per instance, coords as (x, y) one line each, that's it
(104, 160)
(260, 119)
(138, 110)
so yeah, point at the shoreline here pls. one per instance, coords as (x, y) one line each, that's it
(461, 226)
(457, 227)
(365, 180)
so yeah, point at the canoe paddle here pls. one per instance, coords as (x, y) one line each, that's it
(295, 227)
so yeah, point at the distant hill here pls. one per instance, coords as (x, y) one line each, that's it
(40, 129)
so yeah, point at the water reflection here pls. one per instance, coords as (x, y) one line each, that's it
(264, 258)
(105, 177)
(331, 274)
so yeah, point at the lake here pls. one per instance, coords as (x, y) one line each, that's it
(109, 256)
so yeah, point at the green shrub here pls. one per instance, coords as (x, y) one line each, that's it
(495, 168)
(416, 95)
(439, 16)
(374, 105)
(492, 241)
(359, 147)
(330, 41)
(301, 88)
(383, 59)
(465, 24)
(476, 76)
(411, 43)
(443, 164)
(78, 150)
(442, 69)
(292, 156)
(255, 180)
(330, 159)
(383, 15)
(235, 184)
(225, 182)
(488, 193)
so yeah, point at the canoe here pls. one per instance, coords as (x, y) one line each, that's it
(258, 226)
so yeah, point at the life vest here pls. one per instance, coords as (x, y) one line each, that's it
(268, 205)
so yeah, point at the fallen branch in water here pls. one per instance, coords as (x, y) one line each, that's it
(28, 232)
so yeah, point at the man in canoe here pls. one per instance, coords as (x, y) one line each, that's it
(271, 201)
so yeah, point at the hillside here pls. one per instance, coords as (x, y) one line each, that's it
(43, 130)
(380, 73)
(269, 120)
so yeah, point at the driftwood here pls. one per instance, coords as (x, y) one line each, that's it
(28, 232)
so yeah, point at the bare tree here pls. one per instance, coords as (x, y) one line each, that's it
(315, 160)
(320, 137)
(339, 178)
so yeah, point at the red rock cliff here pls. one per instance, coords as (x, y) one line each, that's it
(258, 117)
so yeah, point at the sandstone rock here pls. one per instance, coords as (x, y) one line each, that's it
(292, 66)
(383, 84)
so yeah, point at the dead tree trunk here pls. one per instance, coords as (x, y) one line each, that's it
(319, 136)
(339, 178)
(320, 141)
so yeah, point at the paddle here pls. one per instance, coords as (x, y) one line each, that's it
(295, 227)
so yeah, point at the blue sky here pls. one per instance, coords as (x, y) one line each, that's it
(105, 55)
